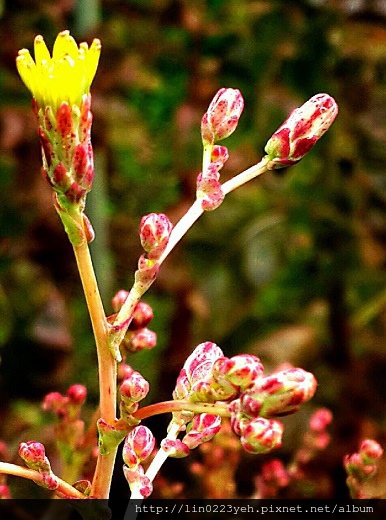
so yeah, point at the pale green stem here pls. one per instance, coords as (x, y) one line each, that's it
(30, 474)
(107, 367)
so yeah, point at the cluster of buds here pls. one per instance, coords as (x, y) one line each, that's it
(132, 390)
(138, 336)
(218, 122)
(209, 190)
(254, 400)
(138, 446)
(301, 130)
(154, 233)
(70, 429)
(315, 440)
(60, 86)
(362, 466)
(273, 477)
(34, 455)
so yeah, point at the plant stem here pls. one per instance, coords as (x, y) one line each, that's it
(179, 405)
(106, 365)
(30, 474)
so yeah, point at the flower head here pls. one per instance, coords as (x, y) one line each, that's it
(63, 77)
(222, 116)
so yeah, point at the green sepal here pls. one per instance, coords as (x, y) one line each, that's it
(109, 436)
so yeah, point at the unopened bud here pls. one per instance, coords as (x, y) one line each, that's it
(143, 339)
(203, 428)
(370, 450)
(134, 388)
(281, 393)
(299, 133)
(119, 299)
(77, 394)
(142, 316)
(138, 446)
(154, 230)
(241, 370)
(222, 116)
(175, 448)
(261, 435)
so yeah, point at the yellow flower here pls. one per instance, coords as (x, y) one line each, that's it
(64, 77)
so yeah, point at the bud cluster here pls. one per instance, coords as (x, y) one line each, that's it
(132, 390)
(208, 188)
(254, 400)
(34, 455)
(362, 466)
(138, 336)
(138, 446)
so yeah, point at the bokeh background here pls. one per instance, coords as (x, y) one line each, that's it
(290, 267)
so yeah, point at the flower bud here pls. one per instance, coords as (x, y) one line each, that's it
(281, 393)
(134, 388)
(299, 133)
(33, 454)
(175, 448)
(261, 435)
(138, 446)
(154, 231)
(320, 420)
(143, 339)
(241, 370)
(142, 316)
(222, 116)
(77, 394)
(370, 450)
(203, 428)
(119, 299)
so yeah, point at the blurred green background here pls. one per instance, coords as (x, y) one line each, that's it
(290, 267)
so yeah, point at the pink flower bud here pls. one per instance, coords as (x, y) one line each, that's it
(281, 393)
(154, 230)
(299, 133)
(124, 371)
(370, 450)
(175, 448)
(261, 435)
(202, 429)
(138, 446)
(77, 394)
(134, 388)
(5, 493)
(143, 339)
(54, 402)
(119, 299)
(33, 453)
(142, 316)
(320, 420)
(222, 116)
(241, 370)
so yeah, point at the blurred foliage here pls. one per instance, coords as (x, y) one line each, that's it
(290, 267)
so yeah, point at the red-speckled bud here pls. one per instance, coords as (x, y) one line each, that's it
(138, 481)
(143, 339)
(370, 450)
(299, 133)
(222, 116)
(138, 446)
(175, 448)
(320, 420)
(202, 429)
(134, 388)
(142, 316)
(53, 402)
(77, 394)
(261, 435)
(241, 370)
(281, 393)
(33, 453)
(154, 231)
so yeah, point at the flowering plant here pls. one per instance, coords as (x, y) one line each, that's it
(213, 393)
